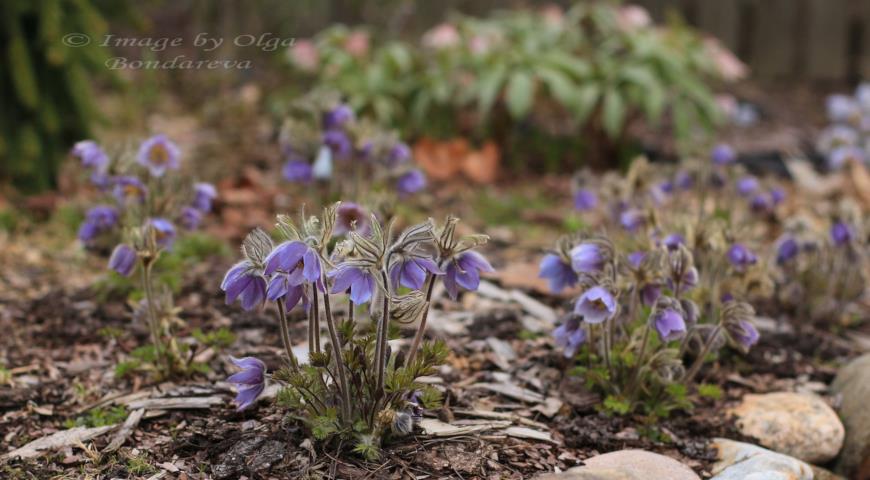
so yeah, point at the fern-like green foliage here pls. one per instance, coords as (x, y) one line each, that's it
(46, 85)
(314, 400)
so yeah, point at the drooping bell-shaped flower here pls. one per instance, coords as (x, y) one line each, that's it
(297, 259)
(243, 281)
(723, 154)
(841, 234)
(595, 305)
(250, 382)
(164, 232)
(411, 272)
(740, 256)
(203, 195)
(558, 272)
(98, 220)
(123, 259)
(91, 155)
(587, 258)
(359, 281)
(411, 182)
(464, 271)
(669, 324)
(570, 335)
(585, 200)
(297, 171)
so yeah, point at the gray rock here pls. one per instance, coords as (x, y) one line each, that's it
(799, 425)
(627, 465)
(590, 474)
(743, 461)
(853, 384)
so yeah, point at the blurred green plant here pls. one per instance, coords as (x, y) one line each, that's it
(50, 59)
(596, 69)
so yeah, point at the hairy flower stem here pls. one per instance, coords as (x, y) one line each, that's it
(383, 329)
(314, 322)
(339, 361)
(421, 329)
(693, 370)
(153, 325)
(635, 374)
(285, 336)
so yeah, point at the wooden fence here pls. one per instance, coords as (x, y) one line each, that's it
(785, 39)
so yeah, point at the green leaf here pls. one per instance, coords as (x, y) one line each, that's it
(561, 87)
(616, 405)
(488, 88)
(587, 99)
(707, 390)
(613, 114)
(520, 94)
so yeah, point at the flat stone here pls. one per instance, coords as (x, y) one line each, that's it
(743, 461)
(799, 425)
(590, 473)
(632, 464)
(853, 384)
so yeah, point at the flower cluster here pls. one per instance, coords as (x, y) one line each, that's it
(823, 274)
(143, 203)
(847, 138)
(640, 323)
(334, 138)
(353, 384)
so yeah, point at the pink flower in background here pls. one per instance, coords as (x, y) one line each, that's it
(442, 36)
(553, 15)
(357, 44)
(305, 56)
(632, 17)
(729, 67)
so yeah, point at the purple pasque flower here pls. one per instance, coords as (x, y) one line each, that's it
(673, 241)
(297, 171)
(650, 292)
(203, 195)
(631, 219)
(587, 258)
(669, 324)
(129, 189)
(159, 154)
(787, 248)
(411, 182)
(585, 200)
(297, 259)
(570, 335)
(760, 203)
(337, 117)
(463, 271)
(281, 285)
(398, 154)
(740, 256)
(743, 333)
(841, 156)
(747, 185)
(91, 155)
(841, 108)
(410, 271)
(99, 219)
(777, 195)
(683, 180)
(123, 259)
(360, 281)
(338, 142)
(164, 232)
(596, 305)
(635, 259)
(190, 218)
(351, 217)
(243, 281)
(558, 272)
(723, 154)
(250, 382)
(841, 234)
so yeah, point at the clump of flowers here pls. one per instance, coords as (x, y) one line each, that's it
(323, 135)
(355, 388)
(642, 326)
(823, 275)
(143, 204)
(847, 138)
